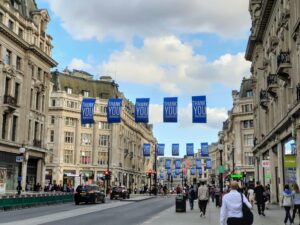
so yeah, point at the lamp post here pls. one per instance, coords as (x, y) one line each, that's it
(220, 147)
(21, 158)
(155, 170)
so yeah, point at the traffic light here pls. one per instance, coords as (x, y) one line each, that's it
(107, 175)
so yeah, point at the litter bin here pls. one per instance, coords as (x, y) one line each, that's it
(180, 203)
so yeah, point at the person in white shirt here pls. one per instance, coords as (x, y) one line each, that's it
(250, 195)
(232, 206)
(203, 196)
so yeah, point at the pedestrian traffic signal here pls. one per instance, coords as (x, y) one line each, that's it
(107, 175)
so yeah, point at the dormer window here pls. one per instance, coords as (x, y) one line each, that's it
(85, 93)
(69, 90)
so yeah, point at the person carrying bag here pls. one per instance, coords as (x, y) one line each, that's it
(247, 214)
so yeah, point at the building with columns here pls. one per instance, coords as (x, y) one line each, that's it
(25, 62)
(237, 136)
(82, 153)
(273, 49)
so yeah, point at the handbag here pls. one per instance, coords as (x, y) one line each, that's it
(247, 214)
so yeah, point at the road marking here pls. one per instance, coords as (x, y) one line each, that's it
(66, 214)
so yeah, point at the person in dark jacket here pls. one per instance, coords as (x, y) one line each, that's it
(259, 198)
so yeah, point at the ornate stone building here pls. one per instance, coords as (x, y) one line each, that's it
(273, 49)
(25, 62)
(80, 152)
(237, 136)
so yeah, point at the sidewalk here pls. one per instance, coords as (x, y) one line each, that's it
(274, 216)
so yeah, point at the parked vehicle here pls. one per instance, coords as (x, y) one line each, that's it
(119, 192)
(89, 193)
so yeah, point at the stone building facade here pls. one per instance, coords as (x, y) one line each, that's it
(273, 49)
(25, 62)
(79, 153)
(237, 136)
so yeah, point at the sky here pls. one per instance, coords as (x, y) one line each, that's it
(155, 49)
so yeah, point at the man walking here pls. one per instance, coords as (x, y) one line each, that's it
(203, 196)
(259, 197)
(232, 206)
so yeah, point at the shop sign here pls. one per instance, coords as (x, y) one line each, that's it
(265, 163)
(290, 161)
(268, 176)
(19, 159)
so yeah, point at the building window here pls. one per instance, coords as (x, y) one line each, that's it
(86, 139)
(8, 57)
(39, 77)
(102, 158)
(36, 130)
(248, 139)
(18, 63)
(53, 102)
(72, 105)
(52, 120)
(69, 121)
(249, 93)
(17, 91)
(51, 135)
(104, 140)
(32, 71)
(247, 108)
(102, 109)
(247, 123)
(20, 32)
(4, 121)
(29, 130)
(249, 158)
(68, 156)
(104, 126)
(87, 125)
(69, 137)
(37, 101)
(11, 25)
(85, 157)
(69, 91)
(85, 93)
(1, 17)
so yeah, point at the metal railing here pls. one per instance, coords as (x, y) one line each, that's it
(10, 100)
(283, 58)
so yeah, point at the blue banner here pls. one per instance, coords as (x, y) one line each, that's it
(208, 164)
(169, 171)
(199, 109)
(142, 110)
(168, 163)
(175, 149)
(114, 109)
(146, 149)
(200, 171)
(87, 110)
(174, 174)
(198, 164)
(160, 149)
(193, 171)
(178, 171)
(190, 149)
(204, 149)
(177, 164)
(170, 110)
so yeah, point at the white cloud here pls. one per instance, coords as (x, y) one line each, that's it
(123, 19)
(171, 64)
(215, 116)
(79, 64)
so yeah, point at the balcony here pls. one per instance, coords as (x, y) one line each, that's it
(263, 99)
(10, 102)
(283, 66)
(272, 84)
(37, 143)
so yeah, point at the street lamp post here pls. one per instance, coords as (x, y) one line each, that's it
(155, 170)
(22, 151)
(220, 147)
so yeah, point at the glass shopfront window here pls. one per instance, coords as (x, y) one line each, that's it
(289, 161)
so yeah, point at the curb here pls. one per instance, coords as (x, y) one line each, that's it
(137, 200)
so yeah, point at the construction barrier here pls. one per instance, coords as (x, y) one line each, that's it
(22, 201)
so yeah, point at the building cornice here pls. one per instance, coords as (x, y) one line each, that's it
(260, 28)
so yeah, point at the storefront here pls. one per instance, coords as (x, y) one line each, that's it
(9, 171)
(87, 176)
(289, 162)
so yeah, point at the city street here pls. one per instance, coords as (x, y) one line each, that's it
(111, 213)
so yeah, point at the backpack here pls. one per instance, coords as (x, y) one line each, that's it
(247, 214)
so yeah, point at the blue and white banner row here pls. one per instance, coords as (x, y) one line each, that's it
(170, 110)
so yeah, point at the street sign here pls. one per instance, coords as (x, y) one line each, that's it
(268, 177)
(19, 178)
(236, 176)
(221, 169)
(265, 163)
(19, 158)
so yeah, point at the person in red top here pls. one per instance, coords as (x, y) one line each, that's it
(178, 189)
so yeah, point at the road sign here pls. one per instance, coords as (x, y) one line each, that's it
(221, 169)
(19, 158)
(265, 163)
(236, 176)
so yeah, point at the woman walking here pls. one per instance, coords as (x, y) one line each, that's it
(296, 201)
(287, 202)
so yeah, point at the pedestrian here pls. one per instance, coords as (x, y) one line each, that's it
(296, 201)
(212, 193)
(259, 198)
(203, 196)
(287, 203)
(232, 206)
(191, 196)
(250, 195)
(178, 189)
(218, 197)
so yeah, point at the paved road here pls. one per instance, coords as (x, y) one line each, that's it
(110, 213)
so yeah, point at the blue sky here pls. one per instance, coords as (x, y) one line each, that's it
(156, 51)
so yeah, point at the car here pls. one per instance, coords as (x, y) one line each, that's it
(89, 193)
(119, 192)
